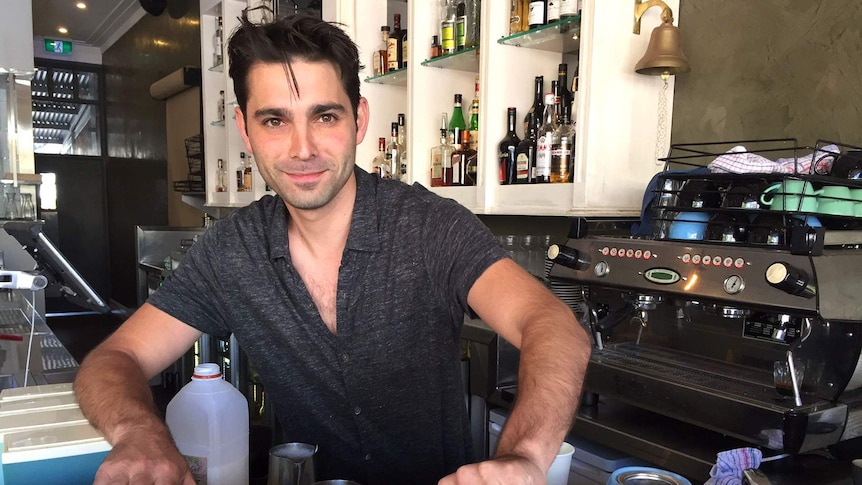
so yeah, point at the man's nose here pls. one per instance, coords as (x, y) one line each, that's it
(302, 143)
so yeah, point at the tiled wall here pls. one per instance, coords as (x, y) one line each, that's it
(770, 68)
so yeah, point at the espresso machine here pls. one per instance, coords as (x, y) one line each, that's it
(702, 346)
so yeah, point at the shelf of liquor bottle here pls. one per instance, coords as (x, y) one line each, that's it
(562, 36)
(217, 68)
(466, 60)
(217, 123)
(391, 78)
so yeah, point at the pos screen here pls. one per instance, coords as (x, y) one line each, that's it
(55, 266)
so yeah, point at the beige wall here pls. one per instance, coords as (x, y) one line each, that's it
(183, 119)
(770, 68)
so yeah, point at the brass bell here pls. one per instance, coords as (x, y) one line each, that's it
(664, 54)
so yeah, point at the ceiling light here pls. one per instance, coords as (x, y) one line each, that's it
(62, 30)
(81, 5)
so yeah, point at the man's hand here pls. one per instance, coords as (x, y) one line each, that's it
(503, 470)
(144, 458)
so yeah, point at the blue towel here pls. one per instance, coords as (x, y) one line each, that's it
(730, 464)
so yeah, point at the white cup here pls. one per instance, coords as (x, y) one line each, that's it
(558, 473)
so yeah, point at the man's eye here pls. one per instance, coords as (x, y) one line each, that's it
(272, 122)
(328, 118)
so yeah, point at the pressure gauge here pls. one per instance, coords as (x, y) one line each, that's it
(734, 284)
(602, 268)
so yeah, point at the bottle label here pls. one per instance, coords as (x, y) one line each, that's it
(392, 54)
(460, 33)
(561, 155)
(537, 13)
(456, 169)
(198, 467)
(437, 166)
(553, 10)
(543, 155)
(448, 38)
(523, 166)
(568, 8)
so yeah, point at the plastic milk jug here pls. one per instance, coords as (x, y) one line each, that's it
(208, 420)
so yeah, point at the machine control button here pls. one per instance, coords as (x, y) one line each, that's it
(707, 260)
(728, 262)
(605, 251)
(602, 268)
(695, 259)
(621, 252)
(662, 276)
(639, 254)
(686, 258)
(630, 253)
(790, 279)
(716, 260)
(739, 263)
(647, 254)
(734, 284)
(613, 252)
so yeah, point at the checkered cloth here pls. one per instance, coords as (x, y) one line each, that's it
(730, 464)
(740, 160)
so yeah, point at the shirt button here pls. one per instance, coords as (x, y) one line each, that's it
(368, 457)
(344, 357)
(357, 410)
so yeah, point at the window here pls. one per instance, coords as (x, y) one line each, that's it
(67, 105)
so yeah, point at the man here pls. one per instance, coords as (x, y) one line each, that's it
(347, 293)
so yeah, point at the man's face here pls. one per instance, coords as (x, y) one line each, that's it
(304, 145)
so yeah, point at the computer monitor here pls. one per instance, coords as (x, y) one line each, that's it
(55, 266)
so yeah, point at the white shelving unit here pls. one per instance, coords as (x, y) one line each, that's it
(221, 138)
(617, 110)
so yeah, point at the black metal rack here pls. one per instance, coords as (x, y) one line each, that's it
(807, 190)
(194, 154)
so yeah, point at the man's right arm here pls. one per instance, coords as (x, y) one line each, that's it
(112, 389)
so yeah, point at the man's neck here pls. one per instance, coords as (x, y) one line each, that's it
(324, 231)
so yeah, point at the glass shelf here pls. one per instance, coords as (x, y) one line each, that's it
(466, 60)
(391, 78)
(217, 68)
(217, 123)
(562, 36)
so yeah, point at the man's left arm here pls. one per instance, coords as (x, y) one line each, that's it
(555, 351)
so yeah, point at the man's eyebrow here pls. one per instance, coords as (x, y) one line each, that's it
(320, 109)
(274, 112)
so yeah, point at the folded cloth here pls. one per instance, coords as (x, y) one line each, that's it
(740, 160)
(730, 464)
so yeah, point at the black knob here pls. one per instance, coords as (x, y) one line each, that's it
(792, 280)
(569, 257)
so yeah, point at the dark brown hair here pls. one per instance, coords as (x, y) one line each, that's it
(295, 37)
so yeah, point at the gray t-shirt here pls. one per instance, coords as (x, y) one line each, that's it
(383, 398)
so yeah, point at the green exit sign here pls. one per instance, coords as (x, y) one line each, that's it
(58, 46)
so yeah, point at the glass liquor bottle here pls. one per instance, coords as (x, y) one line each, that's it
(469, 161)
(553, 11)
(221, 177)
(568, 8)
(240, 176)
(220, 107)
(456, 168)
(380, 59)
(394, 153)
(380, 165)
(562, 151)
(474, 16)
(544, 140)
(447, 26)
(460, 27)
(474, 118)
(402, 140)
(456, 121)
(508, 149)
(218, 43)
(247, 176)
(538, 13)
(441, 160)
(395, 60)
(525, 160)
(563, 92)
(537, 108)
